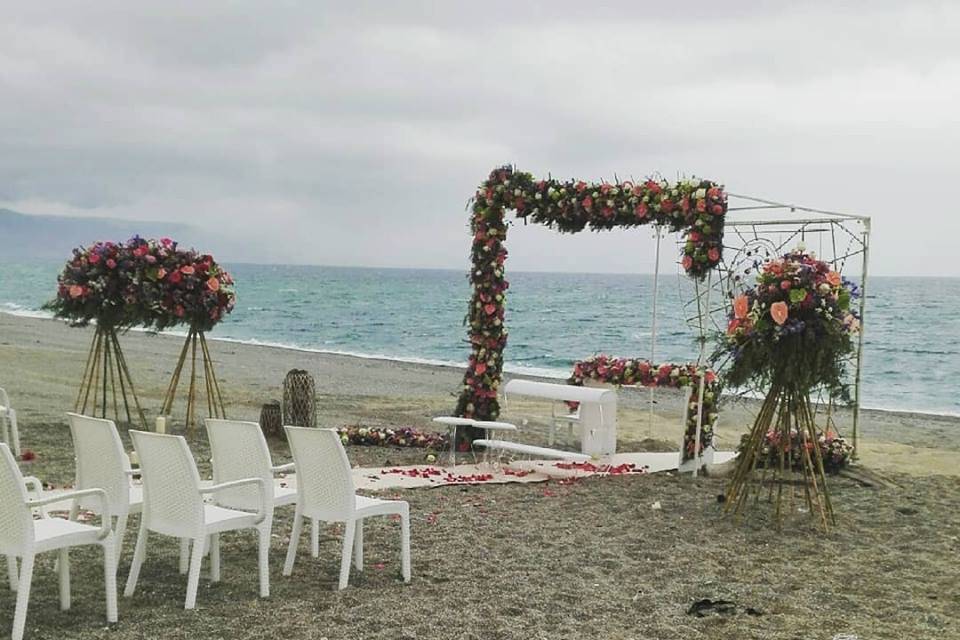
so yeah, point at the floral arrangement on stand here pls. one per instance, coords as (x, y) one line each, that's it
(400, 437)
(791, 333)
(181, 287)
(642, 373)
(697, 207)
(834, 450)
(101, 284)
(152, 284)
(185, 287)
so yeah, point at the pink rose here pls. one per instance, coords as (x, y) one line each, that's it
(94, 258)
(714, 254)
(111, 264)
(187, 270)
(687, 263)
(779, 312)
(587, 202)
(741, 306)
(76, 291)
(213, 284)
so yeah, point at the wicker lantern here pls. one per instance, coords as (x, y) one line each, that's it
(271, 419)
(299, 399)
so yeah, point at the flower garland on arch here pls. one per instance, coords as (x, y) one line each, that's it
(642, 373)
(696, 207)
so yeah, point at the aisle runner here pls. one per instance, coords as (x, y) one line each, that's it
(521, 471)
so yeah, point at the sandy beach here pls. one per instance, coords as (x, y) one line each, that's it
(48, 358)
(522, 561)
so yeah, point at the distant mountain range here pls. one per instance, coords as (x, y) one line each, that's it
(25, 236)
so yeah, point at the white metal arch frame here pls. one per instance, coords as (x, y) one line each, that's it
(761, 228)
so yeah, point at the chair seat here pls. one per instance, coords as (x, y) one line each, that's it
(222, 519)
(374, 506)
(53, 533)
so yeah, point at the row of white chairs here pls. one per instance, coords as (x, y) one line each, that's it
(173, 501)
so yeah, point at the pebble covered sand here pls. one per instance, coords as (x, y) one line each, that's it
(592, 558)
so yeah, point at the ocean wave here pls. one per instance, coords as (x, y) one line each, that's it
(14, 309)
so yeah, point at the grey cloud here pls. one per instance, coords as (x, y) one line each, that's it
(365, 126)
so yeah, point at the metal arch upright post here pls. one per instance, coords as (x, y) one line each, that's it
(863, 307)
(705, 309)
(653, 324)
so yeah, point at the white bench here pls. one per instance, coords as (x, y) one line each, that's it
(596, 415)
(487, 425)
(528, 449)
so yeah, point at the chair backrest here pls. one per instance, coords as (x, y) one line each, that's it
(101, 461)
(324, 482)
(239, 451)
(4, 399)
(16, 521)
(172, 503)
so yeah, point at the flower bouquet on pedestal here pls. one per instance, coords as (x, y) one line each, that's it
(183, 287)
(790, 334)
(99, 284)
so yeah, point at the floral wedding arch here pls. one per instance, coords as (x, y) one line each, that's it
(695, 207)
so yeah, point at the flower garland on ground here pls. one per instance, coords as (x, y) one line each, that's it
(834, 450)
(640, 372)
(696, 207)
(401, 437)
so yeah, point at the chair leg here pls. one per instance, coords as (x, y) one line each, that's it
(110, 577)
(12, 573)
(14, 431)
(405, 544)
(184, 555)
(63, 558)
(193, 578)
(263, 557)
(215, 557)
(118, 534)
(314, 537)
(23, 597)
(358, 546)
(139, 554)
(346, 553)
(294, 541)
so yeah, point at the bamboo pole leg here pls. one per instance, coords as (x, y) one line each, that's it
(86, 372)
(126, 372)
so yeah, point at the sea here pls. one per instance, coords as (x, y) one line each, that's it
(911, 359)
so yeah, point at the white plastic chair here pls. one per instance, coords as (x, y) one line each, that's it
(325, 492)
(102, 463)
(173, 506)
(24, 537)
(8, 424)
(239, 450)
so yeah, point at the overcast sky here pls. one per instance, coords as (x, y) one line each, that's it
(310, 132)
